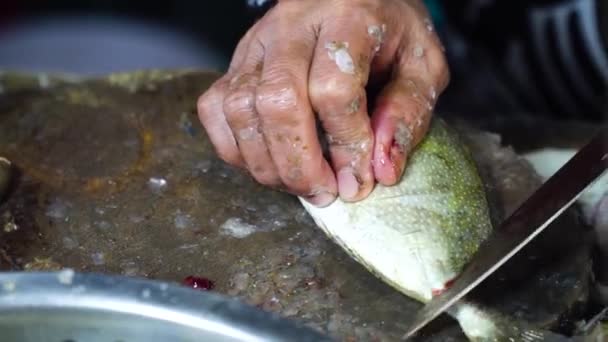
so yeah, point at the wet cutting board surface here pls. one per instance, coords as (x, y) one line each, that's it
(116, 175)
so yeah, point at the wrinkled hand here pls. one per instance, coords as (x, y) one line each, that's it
(307, 57)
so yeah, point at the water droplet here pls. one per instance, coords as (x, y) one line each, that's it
(157, 183)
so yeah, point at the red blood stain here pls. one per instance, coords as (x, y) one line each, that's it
(198, 283)
(447, 285)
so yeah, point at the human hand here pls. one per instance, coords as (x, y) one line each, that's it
(307, 57)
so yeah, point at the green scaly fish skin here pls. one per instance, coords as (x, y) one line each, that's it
(419, 234)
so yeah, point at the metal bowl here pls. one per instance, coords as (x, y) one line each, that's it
(71, 307)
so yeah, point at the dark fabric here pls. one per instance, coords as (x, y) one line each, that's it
(546, 56)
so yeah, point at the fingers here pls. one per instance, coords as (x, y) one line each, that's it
(210, 108)
(242, 117)
(404, 108)
(337, 80)
(307, 57)
(400, 120)
(241, 52)
(258, 115)
(288, 121)
(422, 55)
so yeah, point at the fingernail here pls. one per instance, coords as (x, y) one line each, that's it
(348, 185)
(322, 199)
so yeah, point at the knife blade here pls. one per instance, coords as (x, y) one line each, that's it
(553, 197)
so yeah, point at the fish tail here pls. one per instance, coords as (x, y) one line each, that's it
(481, 324)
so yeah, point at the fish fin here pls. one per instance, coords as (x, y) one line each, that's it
(482, 324)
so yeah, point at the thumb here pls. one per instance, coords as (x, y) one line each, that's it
(399, 122)
(404, 108)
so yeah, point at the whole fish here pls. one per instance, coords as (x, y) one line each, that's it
(418, 235)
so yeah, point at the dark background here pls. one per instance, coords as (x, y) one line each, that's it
(220, 22)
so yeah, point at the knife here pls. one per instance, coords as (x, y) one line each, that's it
(554, 196)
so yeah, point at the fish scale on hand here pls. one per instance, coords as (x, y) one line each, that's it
(419, 234)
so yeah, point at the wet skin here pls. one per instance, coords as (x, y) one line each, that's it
(310, 59)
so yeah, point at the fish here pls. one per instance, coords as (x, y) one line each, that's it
(418, 235)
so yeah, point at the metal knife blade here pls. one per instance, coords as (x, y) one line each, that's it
(554, 196)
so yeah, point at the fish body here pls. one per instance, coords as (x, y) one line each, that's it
(419, 234)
